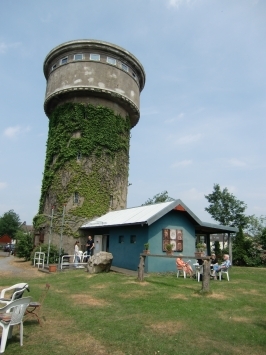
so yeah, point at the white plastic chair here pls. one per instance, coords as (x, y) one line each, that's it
(10, 315)
(84, 256)
(179, 270)
(80, 255)
(18, 290)
(225, 271)
(199, 271)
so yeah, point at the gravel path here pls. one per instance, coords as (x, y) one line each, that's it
(11, 266)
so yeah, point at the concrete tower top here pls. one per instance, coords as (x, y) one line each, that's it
(92, 71)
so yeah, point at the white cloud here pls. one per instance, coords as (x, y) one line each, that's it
(178, 117)
(181, 163)
(191, 138)
(3, 185)
(4, 47)
(236, 162)
(178, 3)
(13, 132)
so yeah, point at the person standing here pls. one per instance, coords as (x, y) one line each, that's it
(90, 247)
(76, 254)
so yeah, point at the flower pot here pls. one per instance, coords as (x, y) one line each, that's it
(52, 268)
(199, 254)
(169, 252)
(146, 251)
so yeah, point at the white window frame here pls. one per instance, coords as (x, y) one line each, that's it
(54, 67)
(124, 67)
(96, 57)
(80, 54)
(64, 59)
(111, 60)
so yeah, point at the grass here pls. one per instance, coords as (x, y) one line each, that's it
(114, 314)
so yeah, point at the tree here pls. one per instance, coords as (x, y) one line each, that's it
(226, 209)
(9, 224)
(161, 197)
(245, 251)
(255, 226)
(24, 245)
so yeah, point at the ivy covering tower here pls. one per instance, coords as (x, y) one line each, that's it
(92, 102)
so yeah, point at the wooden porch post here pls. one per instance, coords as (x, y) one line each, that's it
(206, 275)
(230, 247)
(141, 268)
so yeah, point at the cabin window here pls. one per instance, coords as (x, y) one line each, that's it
(121, 239)
(133, 239)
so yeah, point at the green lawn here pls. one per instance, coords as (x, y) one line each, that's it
(117, 315)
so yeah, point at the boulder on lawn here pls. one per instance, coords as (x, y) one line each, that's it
(100, 262)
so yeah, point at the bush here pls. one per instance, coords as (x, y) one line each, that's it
(24, 245)
(53, 255)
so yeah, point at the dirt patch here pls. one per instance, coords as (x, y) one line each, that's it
(167, 328)
(99, 287)
(133, 294)
(253, 292)
(15, 266)
(226, 317)
(204, 342)
(143, 283)
(82, 299)
(180, 297)
(218, 296)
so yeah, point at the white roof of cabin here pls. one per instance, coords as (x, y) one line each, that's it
(135, 215)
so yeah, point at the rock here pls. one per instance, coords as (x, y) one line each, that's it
(100, 262)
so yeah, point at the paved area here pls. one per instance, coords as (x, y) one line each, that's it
(15, 266)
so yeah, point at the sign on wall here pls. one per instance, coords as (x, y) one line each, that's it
(174, 237)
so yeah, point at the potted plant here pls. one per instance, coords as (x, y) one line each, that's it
(201, 247)
(169, 249)
(146, 248)
(52, 267)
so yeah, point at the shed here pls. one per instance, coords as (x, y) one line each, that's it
(124, 233)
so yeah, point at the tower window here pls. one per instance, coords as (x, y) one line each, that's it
(53, 67)
(79, 156)
(111, 60)
(111, 200)
(64, 60)
(95, 56)
(124, 67)
(78, 56)
(76, 197)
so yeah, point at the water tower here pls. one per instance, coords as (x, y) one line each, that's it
(92, 101)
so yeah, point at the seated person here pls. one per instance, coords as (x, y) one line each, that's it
(213, 262)
(186, 267)
(224, 266)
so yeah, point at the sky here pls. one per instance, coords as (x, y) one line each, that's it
(202, 114)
